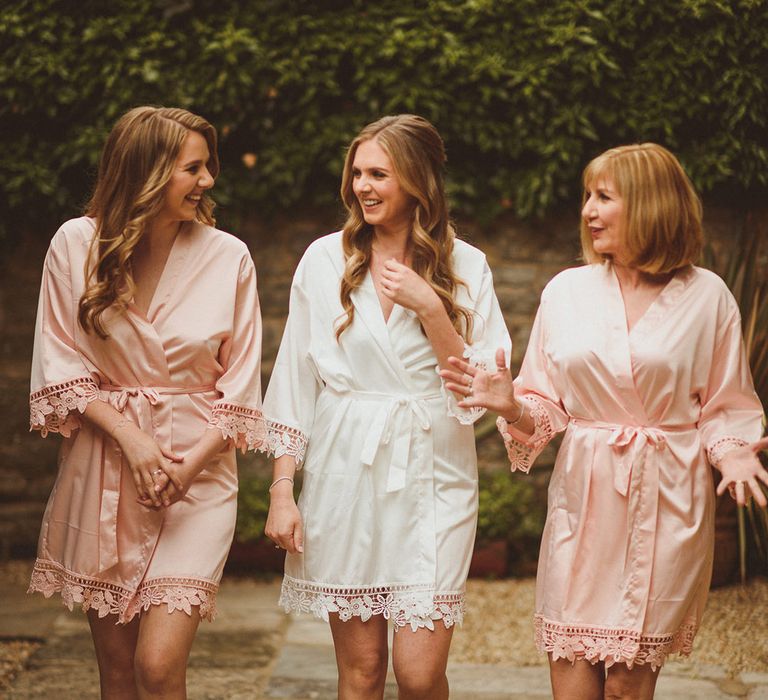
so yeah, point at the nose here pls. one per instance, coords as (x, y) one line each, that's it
(588, 210)
(206, 179)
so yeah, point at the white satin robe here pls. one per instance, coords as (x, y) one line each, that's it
(626, 554)
(190, 364)
(389, 496)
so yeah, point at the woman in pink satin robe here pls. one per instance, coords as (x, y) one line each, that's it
(638, 357)
(146, 360)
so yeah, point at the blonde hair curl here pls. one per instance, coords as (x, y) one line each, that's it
(136, 164)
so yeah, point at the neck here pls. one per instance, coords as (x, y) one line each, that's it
(161, 234)
(631, 277)
(391, 241)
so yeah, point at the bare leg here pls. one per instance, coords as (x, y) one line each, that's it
(115, 648)
(578, 681)
(638, 683)
(361, 656)
(165, 640)
(420, 659)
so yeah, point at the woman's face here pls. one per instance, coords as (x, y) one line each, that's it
(189, 180)
(386, 206)
(603, 213)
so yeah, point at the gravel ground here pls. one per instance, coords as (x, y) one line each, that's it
(498, 627)
(14, 652)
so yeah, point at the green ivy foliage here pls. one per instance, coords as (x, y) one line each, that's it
(523, 92)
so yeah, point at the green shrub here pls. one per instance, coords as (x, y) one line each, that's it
(523, 92)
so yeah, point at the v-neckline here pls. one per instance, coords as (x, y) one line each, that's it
(387, 320)
(648, 309)
(161, 282)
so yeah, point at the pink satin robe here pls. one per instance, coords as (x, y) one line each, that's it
(190, 364)
(626, 554)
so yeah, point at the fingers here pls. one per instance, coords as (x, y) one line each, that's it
(451, 376)
(463, 366)
(298, 538)
(501, 361)
(148, 483)
(757, 492)
(173, 456)
(175, 479)
(462, 389)
(392, 266)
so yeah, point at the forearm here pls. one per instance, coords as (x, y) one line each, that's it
(108, 419)
(519, 418)
(283, 473)
(207, 447)
(442, 336)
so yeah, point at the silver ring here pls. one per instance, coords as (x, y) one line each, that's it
(158, 471)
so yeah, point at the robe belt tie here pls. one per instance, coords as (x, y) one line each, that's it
(413, 406)
(635, 437)
(118, 397)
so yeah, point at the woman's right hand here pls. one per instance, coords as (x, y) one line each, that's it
(284, 526)
(494, 391)
(147, 461)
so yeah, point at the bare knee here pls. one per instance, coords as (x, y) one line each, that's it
(365, 671)
(637, 683)
(155, 674)
(417, 681)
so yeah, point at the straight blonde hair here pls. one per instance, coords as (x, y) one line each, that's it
(136, 164)
(662, 212)
(418, 157)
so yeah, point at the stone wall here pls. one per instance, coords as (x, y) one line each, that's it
(523, 257)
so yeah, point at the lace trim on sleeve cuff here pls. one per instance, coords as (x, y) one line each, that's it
(465, 416)
(523, 450)
(284, 440)
(245, 426)
(55, 408)
(719, 448)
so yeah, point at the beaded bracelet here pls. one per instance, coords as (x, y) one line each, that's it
(282, 478)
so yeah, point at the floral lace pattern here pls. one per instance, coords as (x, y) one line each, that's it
(465, 416)
(412, 606)
(611, 645)
(53, 409)
(111, 599)
(284, 440)
(245, 426)
(523, 454)
(717, 449)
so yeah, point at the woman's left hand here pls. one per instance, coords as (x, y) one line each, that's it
(170, 486)
(741, 466)
(401, 284)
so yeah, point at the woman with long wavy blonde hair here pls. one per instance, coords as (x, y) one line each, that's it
(146, 360)
(385, 524)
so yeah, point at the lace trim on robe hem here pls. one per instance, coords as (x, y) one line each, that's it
(244, 426)
(465, 416)
(53, 409)
(413, 606)
(522, 454)
(612, 645)
(177, 593)
(284, 440)
(719, 448)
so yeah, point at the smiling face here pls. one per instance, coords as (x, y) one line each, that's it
(190, 179)
(385, 204)
(603, 214)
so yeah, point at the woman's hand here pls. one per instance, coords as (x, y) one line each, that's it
(401, 284)
(149, 463)
(480, 388)
(171, 486)
(741, 466)
(284, 526)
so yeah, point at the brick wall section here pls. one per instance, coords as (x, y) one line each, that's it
(523, 257)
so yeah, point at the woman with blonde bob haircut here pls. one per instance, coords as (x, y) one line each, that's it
(638, 357)
(384, 528)
(146, 360)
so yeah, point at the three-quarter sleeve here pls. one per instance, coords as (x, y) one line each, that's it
(61, 385)
(731, 413)
(289, 404)
(237, 413)
(534, 388)
(489, 333)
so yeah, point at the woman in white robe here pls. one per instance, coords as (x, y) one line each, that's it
(385, 524)
(638, 357)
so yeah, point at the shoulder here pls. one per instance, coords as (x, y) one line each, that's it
(709, 290)
(325, 255)
(218, 240)
(572, 278)
(468, 260)
(71, 242)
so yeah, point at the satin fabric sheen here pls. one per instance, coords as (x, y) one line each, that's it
(191, 363)
(627, 549)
